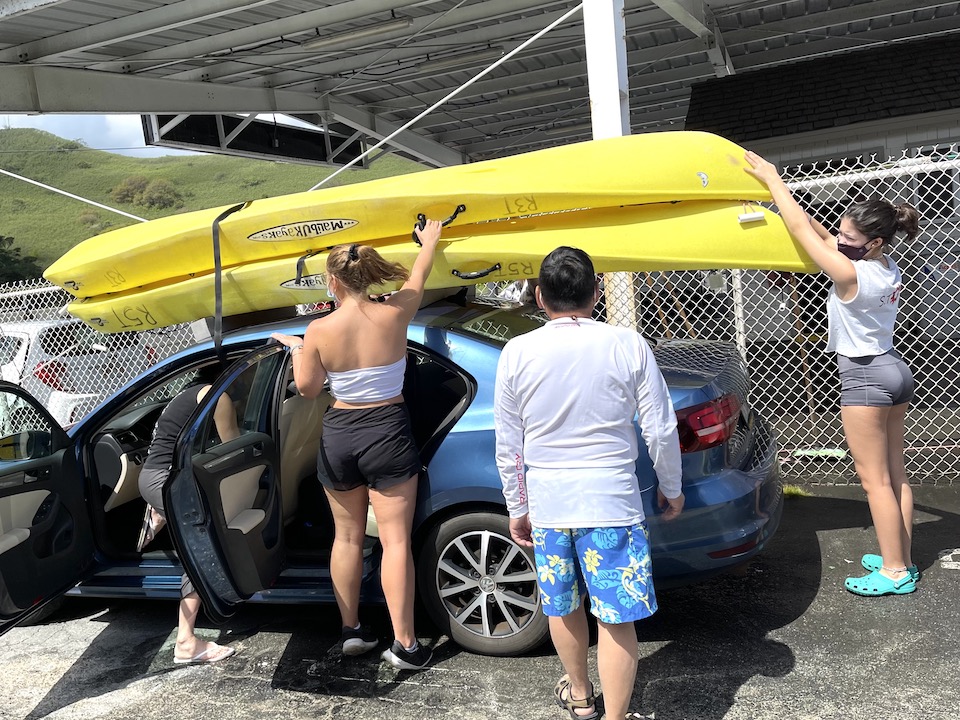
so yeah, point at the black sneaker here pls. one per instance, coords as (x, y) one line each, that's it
(404, 659)
(357, 642)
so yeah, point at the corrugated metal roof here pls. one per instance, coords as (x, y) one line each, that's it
(394, 59)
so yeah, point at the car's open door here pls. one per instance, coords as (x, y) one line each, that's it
(223, 497)
(46, 543)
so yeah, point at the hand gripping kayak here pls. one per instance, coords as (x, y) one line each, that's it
(422, 221)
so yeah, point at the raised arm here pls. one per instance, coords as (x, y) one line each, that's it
(408, 297)
(813, 237)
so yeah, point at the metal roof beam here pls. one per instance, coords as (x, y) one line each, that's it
(32, 89)
(692, 14)
(555, 74)
(878, 8)
(817, 22)
(132, 26)
(491, 125)
(444, 22)
(676, 115)
(692, 47)
(252, 35)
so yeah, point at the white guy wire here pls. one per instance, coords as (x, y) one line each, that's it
(71, 195)
(453, 94)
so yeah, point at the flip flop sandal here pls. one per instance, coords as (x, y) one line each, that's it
(150, 528)
(213, 653)
(565, 700)
(876, 584)
(875, 562)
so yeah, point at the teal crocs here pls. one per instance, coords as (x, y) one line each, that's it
(875, 562)
(876, 584)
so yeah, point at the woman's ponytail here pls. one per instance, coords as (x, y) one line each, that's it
(358, 267)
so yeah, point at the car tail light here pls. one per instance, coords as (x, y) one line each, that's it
(151, 353)
(707, 425)
(738, 550)
(52, 374)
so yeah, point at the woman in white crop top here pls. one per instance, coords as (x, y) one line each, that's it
(368, 452)
(876, 385)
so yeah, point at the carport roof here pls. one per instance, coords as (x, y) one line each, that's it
(365, 67)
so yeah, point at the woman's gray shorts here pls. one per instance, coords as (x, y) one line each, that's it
(151, 483)
(875, 380)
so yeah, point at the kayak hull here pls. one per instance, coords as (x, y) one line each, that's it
(704, 235)
(630, 170)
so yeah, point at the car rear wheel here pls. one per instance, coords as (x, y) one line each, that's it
(480, 587)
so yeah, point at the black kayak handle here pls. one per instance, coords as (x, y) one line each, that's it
(422, 221)
(475, 275)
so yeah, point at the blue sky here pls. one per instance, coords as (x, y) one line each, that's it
(116, 133)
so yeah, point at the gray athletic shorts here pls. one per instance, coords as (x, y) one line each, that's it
(875, 380)
(151, 489)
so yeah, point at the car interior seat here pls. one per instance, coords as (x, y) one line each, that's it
(301, 427)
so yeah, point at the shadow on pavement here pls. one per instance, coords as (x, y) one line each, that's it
(716, 633)
(123, 652)
(703, 645)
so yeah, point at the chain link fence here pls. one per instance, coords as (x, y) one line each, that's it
(777, 321)
(66, 365)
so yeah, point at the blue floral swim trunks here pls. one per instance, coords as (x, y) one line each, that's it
(611, 565)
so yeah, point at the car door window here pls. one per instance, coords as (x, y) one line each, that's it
(242, 408)
(25, 434)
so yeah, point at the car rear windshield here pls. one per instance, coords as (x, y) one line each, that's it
(70, 340)
(503, 324)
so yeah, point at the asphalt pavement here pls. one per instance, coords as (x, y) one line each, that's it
(779, 639)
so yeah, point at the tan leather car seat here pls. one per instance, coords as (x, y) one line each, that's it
(301, 426)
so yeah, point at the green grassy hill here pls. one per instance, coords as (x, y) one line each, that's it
(46, 224)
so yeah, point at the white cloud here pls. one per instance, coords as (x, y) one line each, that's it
(122, 134)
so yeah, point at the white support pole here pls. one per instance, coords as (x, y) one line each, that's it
(605, 33)
(739, 316)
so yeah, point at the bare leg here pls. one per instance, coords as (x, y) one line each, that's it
(898, 475)
(188, 644)
(571, 637)
(617, 662)
(393, 507)
(349, 509)
(865, 429)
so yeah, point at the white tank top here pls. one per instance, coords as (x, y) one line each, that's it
(863, 325)
(370, 384)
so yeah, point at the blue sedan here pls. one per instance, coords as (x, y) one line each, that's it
(248, 519)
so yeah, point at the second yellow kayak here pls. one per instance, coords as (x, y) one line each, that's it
(703, 235)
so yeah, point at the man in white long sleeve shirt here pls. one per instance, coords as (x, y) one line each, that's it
(565, 400)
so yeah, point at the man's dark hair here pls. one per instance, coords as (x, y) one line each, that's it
(567, 280)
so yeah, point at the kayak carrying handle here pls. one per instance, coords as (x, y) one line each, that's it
(301, 263)
(475, 275)
(422, 221)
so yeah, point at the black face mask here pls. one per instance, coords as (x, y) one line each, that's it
(854, 253)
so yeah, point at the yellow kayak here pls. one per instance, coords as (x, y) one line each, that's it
(631, 170)
(691, 235)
